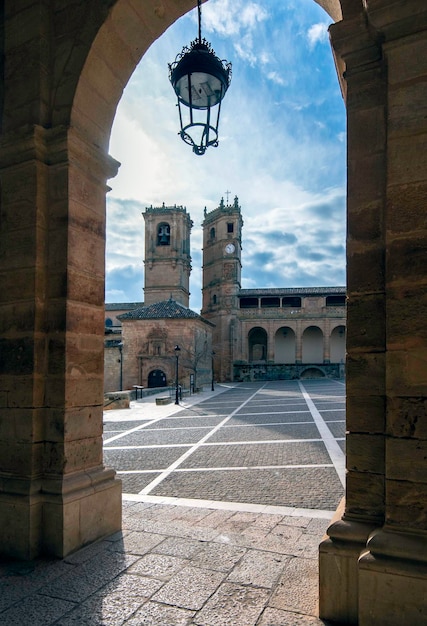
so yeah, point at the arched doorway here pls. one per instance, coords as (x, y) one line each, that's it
(312, 345)
(157, 378)
(257, 344)
(337, 345)
(284, 345)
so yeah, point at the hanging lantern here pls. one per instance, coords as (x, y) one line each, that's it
(200, 80)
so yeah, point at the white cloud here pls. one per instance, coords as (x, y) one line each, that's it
(228, 18)
(317, 33)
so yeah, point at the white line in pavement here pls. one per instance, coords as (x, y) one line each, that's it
(334, 450)
(241, 507)
(186, 454)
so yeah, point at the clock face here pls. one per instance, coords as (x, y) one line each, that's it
(230, 248)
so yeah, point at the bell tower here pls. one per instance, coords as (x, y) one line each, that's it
(167, 254)
(222, 249)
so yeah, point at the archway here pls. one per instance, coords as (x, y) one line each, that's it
(157, 378)
(312, 345)
(257, 344)
(284, 345)
(337, 345)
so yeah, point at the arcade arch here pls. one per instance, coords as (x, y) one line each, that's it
(284, 345)
(55, 137)
(312, 345)
(257, 344)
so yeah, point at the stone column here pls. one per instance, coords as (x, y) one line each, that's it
(55, 494)
(363, 510)
(393, 570)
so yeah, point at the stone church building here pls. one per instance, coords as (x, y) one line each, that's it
(244, 334)
(64, 66)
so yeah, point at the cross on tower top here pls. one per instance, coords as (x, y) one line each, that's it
(227, 193)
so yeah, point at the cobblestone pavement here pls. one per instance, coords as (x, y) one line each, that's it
(225, 502)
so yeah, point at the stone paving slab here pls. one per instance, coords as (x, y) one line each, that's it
(322, 489)
(148, 437)
(260, 433)
(245, 455)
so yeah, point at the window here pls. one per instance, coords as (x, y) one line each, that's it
(212, 233)
(163, 235)
(335, 300)
(248, 303)
(291, 301)
(270, 302)
(230, 227)
(214, 299)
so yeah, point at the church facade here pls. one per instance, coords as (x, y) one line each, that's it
(241, 334)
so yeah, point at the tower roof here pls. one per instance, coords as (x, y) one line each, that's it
(167, 309)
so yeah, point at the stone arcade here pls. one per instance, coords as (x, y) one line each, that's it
(64, 67)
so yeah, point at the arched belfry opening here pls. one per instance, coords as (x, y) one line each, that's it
(56, 495)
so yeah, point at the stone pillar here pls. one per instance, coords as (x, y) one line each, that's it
(298, 342)
(55, 494)
(393, 569)
(364, 505)
(384, 581)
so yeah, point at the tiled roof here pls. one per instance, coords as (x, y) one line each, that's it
(167, 309)
(120, 306)
(286, 291)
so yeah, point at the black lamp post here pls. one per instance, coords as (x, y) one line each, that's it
(200, 80)
(177, 351)
(212, 385)
(121, 364)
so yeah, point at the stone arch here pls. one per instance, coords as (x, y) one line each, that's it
(312, 345)
(284, 345)
(257, 344)
(312, 373)
(156, 378)
(337, 344)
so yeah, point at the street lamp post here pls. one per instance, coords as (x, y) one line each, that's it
(212, 366)
(177, 351)
(121, 365)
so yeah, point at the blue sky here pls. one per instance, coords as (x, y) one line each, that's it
(281, 149)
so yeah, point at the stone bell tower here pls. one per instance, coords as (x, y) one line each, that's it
(222, 250)
(167, 254)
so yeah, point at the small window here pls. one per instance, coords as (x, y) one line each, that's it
(335, 300)
(230, 227)
(293, 302)
(212, 233)
(163, 235)
(248, 303)
(214, 299)
(108, 322)
(270, 302)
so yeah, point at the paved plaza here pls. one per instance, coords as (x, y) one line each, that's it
(225, 500)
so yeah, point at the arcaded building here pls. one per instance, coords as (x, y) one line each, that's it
(244, 334)
(265, 334)
(64, 66)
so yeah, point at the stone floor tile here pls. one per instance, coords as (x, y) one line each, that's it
(36, 610)
(215, 519)
(298, 587)
(137, 542)
(233, 605)
(154, 614)
(276, 617)
(177, 546)
(219, 557)
(307, 546)
(190, 588)
(318, 526)
(259, 569)
(103, 610)
(267, 521)
(159, 566)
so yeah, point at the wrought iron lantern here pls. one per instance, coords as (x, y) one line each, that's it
(200, 80)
